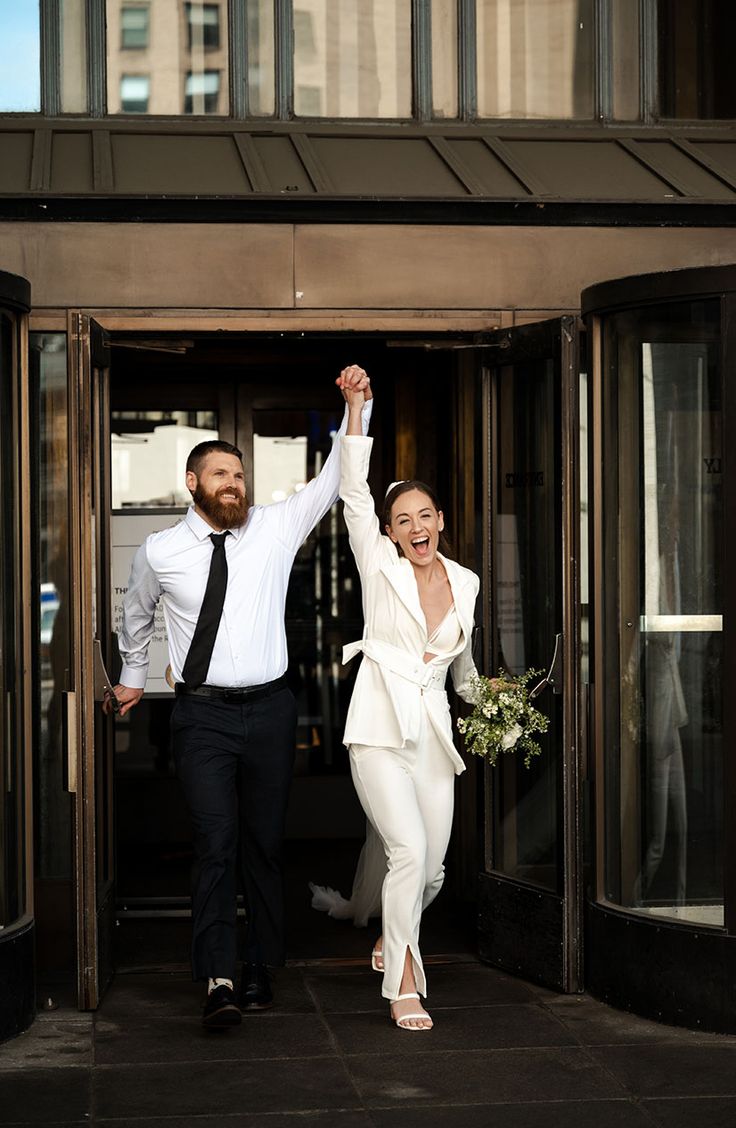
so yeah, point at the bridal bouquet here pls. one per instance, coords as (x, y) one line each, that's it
(503, 718)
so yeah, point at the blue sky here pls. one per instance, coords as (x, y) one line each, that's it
(19, 55)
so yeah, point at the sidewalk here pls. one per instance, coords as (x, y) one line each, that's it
(503, 1053)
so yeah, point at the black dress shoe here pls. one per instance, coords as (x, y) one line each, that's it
(255, 988)
(220, 1010)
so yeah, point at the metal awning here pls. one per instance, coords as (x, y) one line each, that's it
(155, 159)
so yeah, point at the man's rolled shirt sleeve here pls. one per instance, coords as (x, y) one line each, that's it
(139, 610)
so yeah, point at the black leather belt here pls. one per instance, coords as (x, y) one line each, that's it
(237, 695)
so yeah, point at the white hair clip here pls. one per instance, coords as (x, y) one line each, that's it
(399, 483)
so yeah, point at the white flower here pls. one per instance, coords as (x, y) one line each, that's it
(509, 739)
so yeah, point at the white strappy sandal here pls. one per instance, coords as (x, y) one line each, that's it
(404, 1018)
(376, 955)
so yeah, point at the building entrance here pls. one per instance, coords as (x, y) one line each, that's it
(274, 398)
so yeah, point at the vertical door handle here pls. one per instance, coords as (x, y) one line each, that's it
(69, 726)
(553, 677)
(7, 731)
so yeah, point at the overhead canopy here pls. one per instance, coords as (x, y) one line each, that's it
(136, 159)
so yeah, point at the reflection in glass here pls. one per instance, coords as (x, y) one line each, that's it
(527, 598)
(696, 58)
(20, 56)
(134, 26)
(53, 843)
(73, 57)
(352, 60)
(625, 60)
(12, 870)
(167, 58)
(261, 58)
(664, 787)
(149, 455)
(535, 58)
(444, 58)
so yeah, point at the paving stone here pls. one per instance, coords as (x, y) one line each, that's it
(335, 1118)
(158, 1040)
(693, 1112)
(558, 1114)
(177, 995)
(449, 985)
(51, 1041)
(471, 1028)
(480, 1077)
(673, 1070)
(219, 1088)
(592, 1023)
(36, 1096)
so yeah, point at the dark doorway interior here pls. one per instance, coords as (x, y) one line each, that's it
(269, 395)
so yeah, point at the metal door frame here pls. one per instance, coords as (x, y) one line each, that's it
(88, 365)
(565, 911)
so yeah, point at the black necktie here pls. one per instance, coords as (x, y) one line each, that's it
(205, 632)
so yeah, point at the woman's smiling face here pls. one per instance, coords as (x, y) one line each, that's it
(415, 526)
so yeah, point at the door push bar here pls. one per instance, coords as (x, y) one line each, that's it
(553, 677)
(103, 685)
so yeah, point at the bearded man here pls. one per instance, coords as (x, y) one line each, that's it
(222, 574)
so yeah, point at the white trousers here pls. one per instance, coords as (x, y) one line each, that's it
(408, 795)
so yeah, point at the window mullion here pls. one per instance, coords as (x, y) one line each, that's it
(238, 32)
(96, 58)
(603, 61)
(50, 58)
(284, 59)
(649, 60)
(421, 22)
(466, 56)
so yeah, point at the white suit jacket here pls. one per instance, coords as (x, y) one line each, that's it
(394, 683)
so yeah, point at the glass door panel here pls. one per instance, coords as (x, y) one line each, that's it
(664, 773)
(12, 852)
(530, 893)
(54, 892)
(87, 732)
(17, 619)
(527, 595)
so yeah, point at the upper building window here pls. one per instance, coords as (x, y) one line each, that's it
(535, 58)
(203, 23)
(134, 27)
(372, 60)
(201, 92)
(357, 55)
(696, 42)
(186, 60)
(20, 57)
(135, 93)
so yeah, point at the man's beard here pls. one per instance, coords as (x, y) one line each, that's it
(223, 514)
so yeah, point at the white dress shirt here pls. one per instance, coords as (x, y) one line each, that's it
(173, 566)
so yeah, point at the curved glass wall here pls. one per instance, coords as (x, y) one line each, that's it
(661, 590)
(12, 789)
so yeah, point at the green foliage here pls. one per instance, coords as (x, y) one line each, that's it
(503, 718)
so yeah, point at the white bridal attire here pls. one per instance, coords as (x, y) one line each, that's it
(398, 731)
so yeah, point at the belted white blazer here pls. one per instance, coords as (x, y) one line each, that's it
(394, 683)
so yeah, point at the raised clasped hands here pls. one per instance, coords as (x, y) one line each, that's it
(355, 385)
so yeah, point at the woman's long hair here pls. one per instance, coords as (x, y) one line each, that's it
(395, 491)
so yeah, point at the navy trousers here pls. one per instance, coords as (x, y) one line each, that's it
(235, 764)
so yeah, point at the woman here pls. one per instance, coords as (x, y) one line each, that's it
(418, 608)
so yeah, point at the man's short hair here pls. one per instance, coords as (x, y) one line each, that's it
(198, 454)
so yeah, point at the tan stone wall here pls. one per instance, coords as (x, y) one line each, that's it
(241, 267)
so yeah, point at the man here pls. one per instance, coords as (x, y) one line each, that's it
(222, 574)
